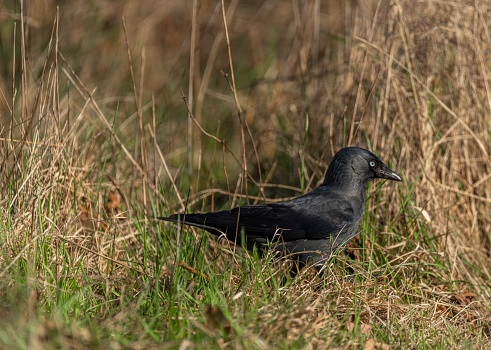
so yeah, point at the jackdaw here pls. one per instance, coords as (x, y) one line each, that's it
(309, 227)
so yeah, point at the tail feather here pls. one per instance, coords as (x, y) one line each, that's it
(196, 220)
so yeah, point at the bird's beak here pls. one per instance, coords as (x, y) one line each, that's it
(385, 172)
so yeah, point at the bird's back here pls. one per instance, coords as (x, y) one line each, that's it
(319, 214)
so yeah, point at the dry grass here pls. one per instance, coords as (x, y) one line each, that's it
(96, 142)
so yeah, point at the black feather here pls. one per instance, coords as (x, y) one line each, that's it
(311, 225)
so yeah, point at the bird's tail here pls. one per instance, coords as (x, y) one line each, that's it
(197, 220)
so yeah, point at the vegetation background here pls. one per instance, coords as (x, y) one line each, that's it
(115, 112)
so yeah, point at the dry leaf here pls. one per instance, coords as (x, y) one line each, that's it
(90, 221)
(301, 312)
(441, 307)
(464, 298)
(84, 219)
(469, 295)
(371, 344)
(186, 344)
(352, 251)
(113, 208)
(216, 319)
(364, 328)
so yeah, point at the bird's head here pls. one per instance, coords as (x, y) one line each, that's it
(357, 164)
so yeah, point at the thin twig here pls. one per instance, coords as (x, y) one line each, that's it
(138, 107)
(34, 143)
(363, 68)
(238, 107)
(193, 271)
(191, 83)
(162, 158)
(224, 143)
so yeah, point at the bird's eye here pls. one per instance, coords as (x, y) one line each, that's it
(372, 163)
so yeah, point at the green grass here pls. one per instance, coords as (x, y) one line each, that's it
(248, 302)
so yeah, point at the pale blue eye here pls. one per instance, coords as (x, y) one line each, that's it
(372, 163)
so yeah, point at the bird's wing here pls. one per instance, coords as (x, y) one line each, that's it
(260, 221)
(288, 221)
(339, 219)
(324, 212)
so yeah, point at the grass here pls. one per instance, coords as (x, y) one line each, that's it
(91, 154)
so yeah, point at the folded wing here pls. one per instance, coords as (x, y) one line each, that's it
(287, 221)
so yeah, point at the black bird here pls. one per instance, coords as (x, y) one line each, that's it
(310, 226)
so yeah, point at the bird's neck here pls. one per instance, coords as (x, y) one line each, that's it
(346, 180)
